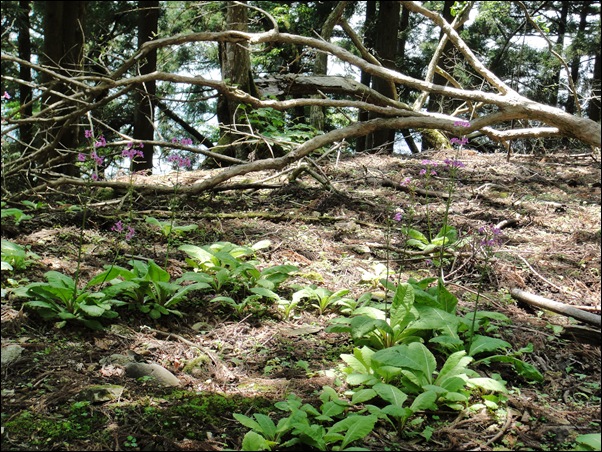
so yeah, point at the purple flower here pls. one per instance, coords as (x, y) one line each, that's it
(94, 176)
(81, 157)
(492, 236)
(131, 232)
(429, 163)
(462, 123)
(117, 227)
(459, 141)
(180, 162)
(422, 172)
(6, 96)
(406, 181)
(453, 163)
(397, 216)
(101, 142)
(88, 133)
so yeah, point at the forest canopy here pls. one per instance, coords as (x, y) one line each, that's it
(259, 85)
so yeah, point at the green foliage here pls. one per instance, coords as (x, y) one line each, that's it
(17, 214)
(60, 299)
(168, 227)
(15, 257)
(320, 297)
(228, 270)
(328, 427)
(588, 442)
(147, 287)
(447, 237)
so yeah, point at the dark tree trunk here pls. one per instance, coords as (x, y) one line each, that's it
(387, 24)
(593, 109)
(365, 142)
(63, 45)
(148, 23)
(25, 92)
(446, 62)
(576, 61)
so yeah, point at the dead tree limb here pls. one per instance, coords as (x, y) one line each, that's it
(555, 306)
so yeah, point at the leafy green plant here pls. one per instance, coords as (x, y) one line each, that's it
(14, 212)
(147, 287)
(59, 298)
(168, 227)
(414, 368)
(589, 441)
(320, 297)
(447, 237)
(15, 257)
(34, 205)
(230, 272)
(329, 427)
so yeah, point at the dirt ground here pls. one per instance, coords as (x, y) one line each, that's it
(333, 231)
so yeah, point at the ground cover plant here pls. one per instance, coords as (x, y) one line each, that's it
(289, 333)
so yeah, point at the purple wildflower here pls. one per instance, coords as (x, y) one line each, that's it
(81, 157)
(397, 217)
(102, 142)
(6, 96)
(131, 232)
(462, 123)
(88, 133)
(117, 227)
(180, 162)
(98, 159)
(459, 141)
(406, 181)
(453, 163)
(94, 176)
(492, 236)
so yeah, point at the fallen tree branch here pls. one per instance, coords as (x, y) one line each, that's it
(555, 306)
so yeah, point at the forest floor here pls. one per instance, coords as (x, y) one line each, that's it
(334, 233)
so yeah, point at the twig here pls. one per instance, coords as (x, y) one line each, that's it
(503, 429)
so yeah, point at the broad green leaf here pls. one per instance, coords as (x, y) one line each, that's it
(390, 393)
(447, 301)
(424, 401)
(58, 279)
(489, 384)
(401, 306)
(456, 364)
(524, 369)
(268, 428)
(254, 441)
(483, 344)
(262, 244)
(363, 395)
(356, 427)
(92, 310)
(264, 293)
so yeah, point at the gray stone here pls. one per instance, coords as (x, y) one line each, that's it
(11, 354)
(101, 393)
(163, 376)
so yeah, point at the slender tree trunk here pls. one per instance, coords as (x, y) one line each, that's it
(576, 61)
(144, 115)
(316, 115)
(365, 142)
(25, 91)
(432, 139)
(63, 48)
(593, 109)
(387, 25)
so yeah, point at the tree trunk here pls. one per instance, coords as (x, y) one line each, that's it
(25, 91)
(387, 24)
(576, 61)
(365, 142)
(316, 113)
(433, 139)
(593, 109)
(144, 130)
(63, 46)
(236, 69)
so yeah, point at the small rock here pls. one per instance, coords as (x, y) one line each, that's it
(163, 376)
(11, 354)
(101, 393)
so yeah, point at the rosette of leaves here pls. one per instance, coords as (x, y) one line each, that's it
(60, 299)
(146, 287)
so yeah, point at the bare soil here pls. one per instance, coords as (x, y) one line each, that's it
(333, 232)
